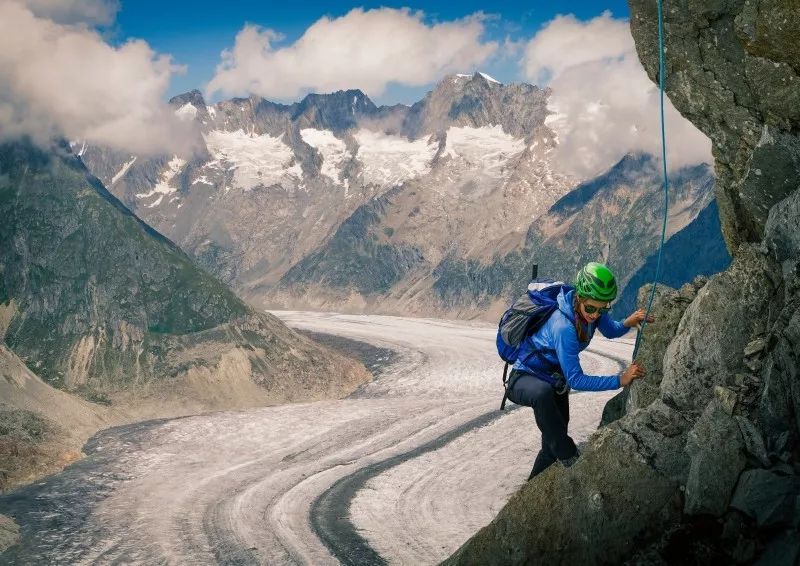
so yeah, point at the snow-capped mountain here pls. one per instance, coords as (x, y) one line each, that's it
(395, 193)
(278, 180)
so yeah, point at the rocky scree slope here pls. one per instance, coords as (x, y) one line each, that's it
(702, 461)
(42, 429)
(98, 304)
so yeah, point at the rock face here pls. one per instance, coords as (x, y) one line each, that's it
(96, 302)
(714, 331)
(670, 305)
(715, 425)
(732, 69)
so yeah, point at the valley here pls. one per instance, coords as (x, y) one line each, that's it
(429, 457)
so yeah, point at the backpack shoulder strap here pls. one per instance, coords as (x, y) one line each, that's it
(505, 388)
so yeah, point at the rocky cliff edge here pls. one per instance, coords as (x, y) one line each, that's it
(699, 462)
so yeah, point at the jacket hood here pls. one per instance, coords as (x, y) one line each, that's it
(565, 301)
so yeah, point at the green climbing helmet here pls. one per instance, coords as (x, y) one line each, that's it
(595, 281)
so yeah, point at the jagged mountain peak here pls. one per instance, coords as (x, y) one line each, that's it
(475, 100)
(336, 111)
(194, 97)
(632, 166)
(190, 106)
(355, 97)
(487, 78)
(478, 82)
(478, 100)
(478, 77)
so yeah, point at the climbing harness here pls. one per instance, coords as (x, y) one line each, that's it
(661, 72)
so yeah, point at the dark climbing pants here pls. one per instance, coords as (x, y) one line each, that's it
(551, 411)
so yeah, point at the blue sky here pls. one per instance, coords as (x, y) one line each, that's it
(195, 33)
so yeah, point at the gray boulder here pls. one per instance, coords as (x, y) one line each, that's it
(615, 407)
(780, 401)
(767, 496)
(712, 335)
(668, 308)
(753, 441)
(660, 433)
(716, 450)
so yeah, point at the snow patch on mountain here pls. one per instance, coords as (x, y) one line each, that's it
(254, 159)
(333, 150)
(489, 78)
(202, 179)
(74, 143)
(122, 171)
(488, 148)
(390, 160)
(556, 120)
(162, 188)
(187, 112)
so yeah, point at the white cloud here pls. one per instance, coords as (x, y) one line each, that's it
(100, 12)
(64, 80)
(605, 104)
(362, 49)
(510, 49)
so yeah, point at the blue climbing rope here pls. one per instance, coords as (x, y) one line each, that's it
(661, 72)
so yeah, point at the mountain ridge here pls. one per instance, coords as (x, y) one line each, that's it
(294, 173)
(102, 313)
(97, 300)
(463, 174)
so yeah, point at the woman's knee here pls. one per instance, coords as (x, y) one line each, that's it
(530, 391)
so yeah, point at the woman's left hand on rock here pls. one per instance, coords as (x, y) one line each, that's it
(636, 319)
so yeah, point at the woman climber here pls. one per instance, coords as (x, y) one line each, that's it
(548, 366)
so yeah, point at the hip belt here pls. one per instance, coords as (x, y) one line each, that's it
(556, 379)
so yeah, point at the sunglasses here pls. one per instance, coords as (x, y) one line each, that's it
(590, 309)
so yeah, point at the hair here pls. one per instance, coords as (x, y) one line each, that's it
(578, 326)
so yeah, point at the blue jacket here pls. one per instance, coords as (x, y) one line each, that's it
(555, 348)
